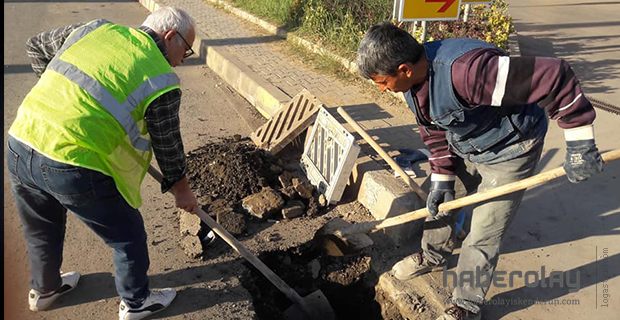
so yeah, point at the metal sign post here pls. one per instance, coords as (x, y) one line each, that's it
(395, 10)
(468, 4)
(466, 13)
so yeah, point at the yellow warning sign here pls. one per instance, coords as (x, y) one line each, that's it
(420, 10)
(474, 1)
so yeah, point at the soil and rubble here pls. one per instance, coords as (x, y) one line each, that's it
(267, 202)
(243, 187)
(237, 183)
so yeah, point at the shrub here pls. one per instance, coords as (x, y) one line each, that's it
(340, 24)
(286, 13)
(489, 23)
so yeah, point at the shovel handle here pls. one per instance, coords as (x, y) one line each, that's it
(242, 250)
(416, 188)
(465, 201)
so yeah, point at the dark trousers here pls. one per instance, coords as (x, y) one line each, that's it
(45, 189)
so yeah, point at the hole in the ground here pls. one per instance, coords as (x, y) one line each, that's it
(347, 282)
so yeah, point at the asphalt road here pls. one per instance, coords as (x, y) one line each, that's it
(586, 33)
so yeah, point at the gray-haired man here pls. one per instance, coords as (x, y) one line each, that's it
(82, 141)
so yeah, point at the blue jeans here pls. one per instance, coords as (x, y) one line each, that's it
(44, 189)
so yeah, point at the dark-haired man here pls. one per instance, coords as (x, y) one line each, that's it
(482, 115)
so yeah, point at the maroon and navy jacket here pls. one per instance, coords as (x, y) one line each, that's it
(485, 77)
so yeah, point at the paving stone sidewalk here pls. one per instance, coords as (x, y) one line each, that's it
(390, 122)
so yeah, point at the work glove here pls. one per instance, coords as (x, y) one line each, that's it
(582, 157)
(442, 190)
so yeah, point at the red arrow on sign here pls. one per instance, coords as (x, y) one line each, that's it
(446, 6)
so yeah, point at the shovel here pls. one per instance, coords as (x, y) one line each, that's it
(335, 234)
(313, 306)
(414, 186)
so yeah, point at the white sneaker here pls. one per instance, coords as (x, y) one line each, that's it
(157, 301)
(38, 301)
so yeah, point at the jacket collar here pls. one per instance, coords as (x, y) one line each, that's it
(158, 40)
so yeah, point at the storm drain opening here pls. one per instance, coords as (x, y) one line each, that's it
(348, 283)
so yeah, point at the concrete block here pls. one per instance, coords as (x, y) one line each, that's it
(192, 246)
(189, 224)
(423, 297)
(408, 302)
(264, 203)
(303, 188)
(293, 209)
(289, 193)
(386, 196)
(285, 179)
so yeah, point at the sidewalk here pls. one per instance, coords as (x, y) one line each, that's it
(560, 226)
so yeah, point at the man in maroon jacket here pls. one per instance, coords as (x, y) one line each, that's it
(483, 116)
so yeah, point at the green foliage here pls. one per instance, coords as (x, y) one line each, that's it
(285, 13)
(490, 23)
(340, 24)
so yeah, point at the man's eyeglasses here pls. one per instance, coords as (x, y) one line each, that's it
(189, 51)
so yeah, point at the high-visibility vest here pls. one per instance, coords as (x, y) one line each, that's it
(88, 107)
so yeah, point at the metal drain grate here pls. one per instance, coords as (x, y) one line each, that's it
(329, 156)
(288, 123)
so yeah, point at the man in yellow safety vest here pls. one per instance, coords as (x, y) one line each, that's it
(83, 138)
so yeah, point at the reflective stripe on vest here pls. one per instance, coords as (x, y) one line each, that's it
(79, 33)
(120, 112)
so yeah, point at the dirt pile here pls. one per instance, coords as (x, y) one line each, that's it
(237, 183)
(230, 169)
(228, 176)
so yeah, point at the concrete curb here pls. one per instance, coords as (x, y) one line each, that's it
(266, 97)
(263, 95)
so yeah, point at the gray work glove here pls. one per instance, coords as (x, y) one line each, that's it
(582, 157)
(442, 190)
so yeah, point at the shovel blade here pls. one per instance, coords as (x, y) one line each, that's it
(337, 245)
(316, 307)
